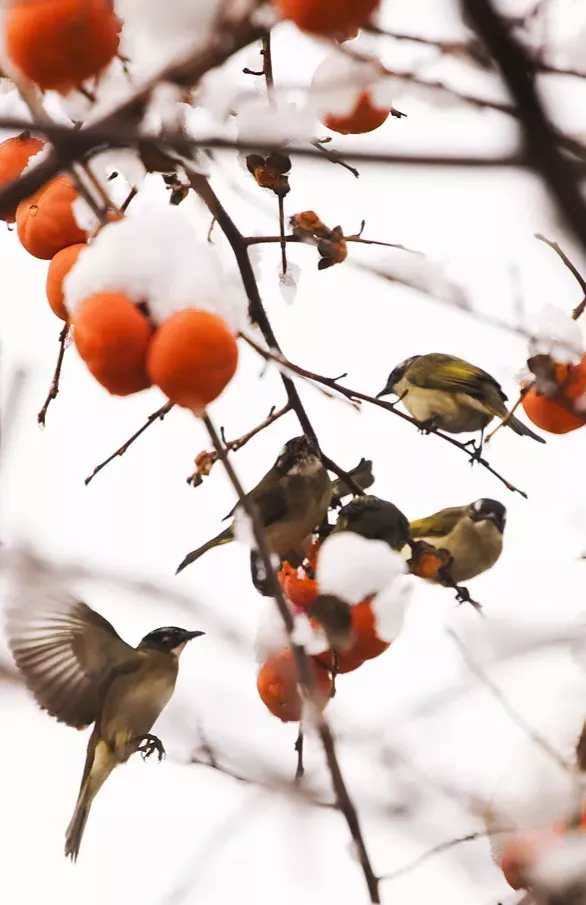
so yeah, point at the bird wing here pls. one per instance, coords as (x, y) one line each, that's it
(437, 525)
(455, 375)
(67, 653)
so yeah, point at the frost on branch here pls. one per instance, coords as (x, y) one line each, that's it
(156, 257)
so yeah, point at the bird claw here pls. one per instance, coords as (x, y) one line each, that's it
(427, 427)
(149, 744)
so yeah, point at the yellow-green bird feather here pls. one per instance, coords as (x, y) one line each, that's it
(473, 534)
(81, 672)
(291, 501)
(452, 394)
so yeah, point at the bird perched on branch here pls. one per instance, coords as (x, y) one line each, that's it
(374, 519)
(445, 392)
(82, 672)
(291, 501)
(473, 534)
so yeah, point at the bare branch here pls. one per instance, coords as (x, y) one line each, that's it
(579, 309)
(54, 388)
(156, 416)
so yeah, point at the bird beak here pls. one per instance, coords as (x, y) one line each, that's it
(190, 635)
(386, 392)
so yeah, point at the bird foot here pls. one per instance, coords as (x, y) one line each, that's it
(427, 427)
(463, 596)
(476, 449)
(148, 745)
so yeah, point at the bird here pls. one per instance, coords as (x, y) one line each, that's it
(473, 534)
(291, 501)
(81, 672)
(374, 519)
(442, 391)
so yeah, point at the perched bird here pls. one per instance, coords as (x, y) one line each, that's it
(374, 519)
(451, 394)
(473, 535)
(291, 500)
(82, 672)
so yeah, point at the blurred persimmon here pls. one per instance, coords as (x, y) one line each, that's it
(15, 154)
(112, 336)
(364, 117)
(300, 589)
(59, 267)
(522, 851)
(328, 17)
(59, 43)
(277, 684)
(46, 222)
(192, 357)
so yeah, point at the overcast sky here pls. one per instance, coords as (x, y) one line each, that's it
(183, 833)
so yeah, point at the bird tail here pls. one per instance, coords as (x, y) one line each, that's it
(99, 764)
(522, 429)
(224, 538)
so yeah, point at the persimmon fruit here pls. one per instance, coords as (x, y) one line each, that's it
(15, 154)
(277, 685)
(301, 590)
(59, 43)
(364, 117)
(59, 267)
(192, 358)
(366, 645)
(555, 415)
(112, 336)
(46, 223)
(522, 851)
(327, 17)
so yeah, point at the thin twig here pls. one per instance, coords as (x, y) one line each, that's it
(538, 740)
(335, 158)
(306, 677)
(436, 850)
(235, 445)
(579, 309)
(54, 388)
(265, 240)
(282, 237)
(300, 770)
(156, 416)
(388, 406)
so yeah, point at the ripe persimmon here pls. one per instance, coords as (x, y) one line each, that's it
(45, 221)
(15, 154)
(327, 17)
(277, 684)
(112, 336)
(59, 267)
(366, 645)
(301, 590)
(192, 357)
(556, 414)
(364, 117)
(60, 43)
(523, 849)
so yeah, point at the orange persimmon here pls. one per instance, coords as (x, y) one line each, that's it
(112, 336)
(555, 415)
(301, 590)
(59, 267)
(523, 849)
(277, 685)
(366, 644)
(60, 43)
(45, 221)
(327, 17)
(364, 117)
(15, 154)
(192, 357)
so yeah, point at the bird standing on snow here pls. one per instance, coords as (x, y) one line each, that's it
(291, 500)
(473, 535)
(451, 394)
(82, 672)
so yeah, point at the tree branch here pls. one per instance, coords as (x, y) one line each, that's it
(156, 416)
(54, 388)
(306, 679)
